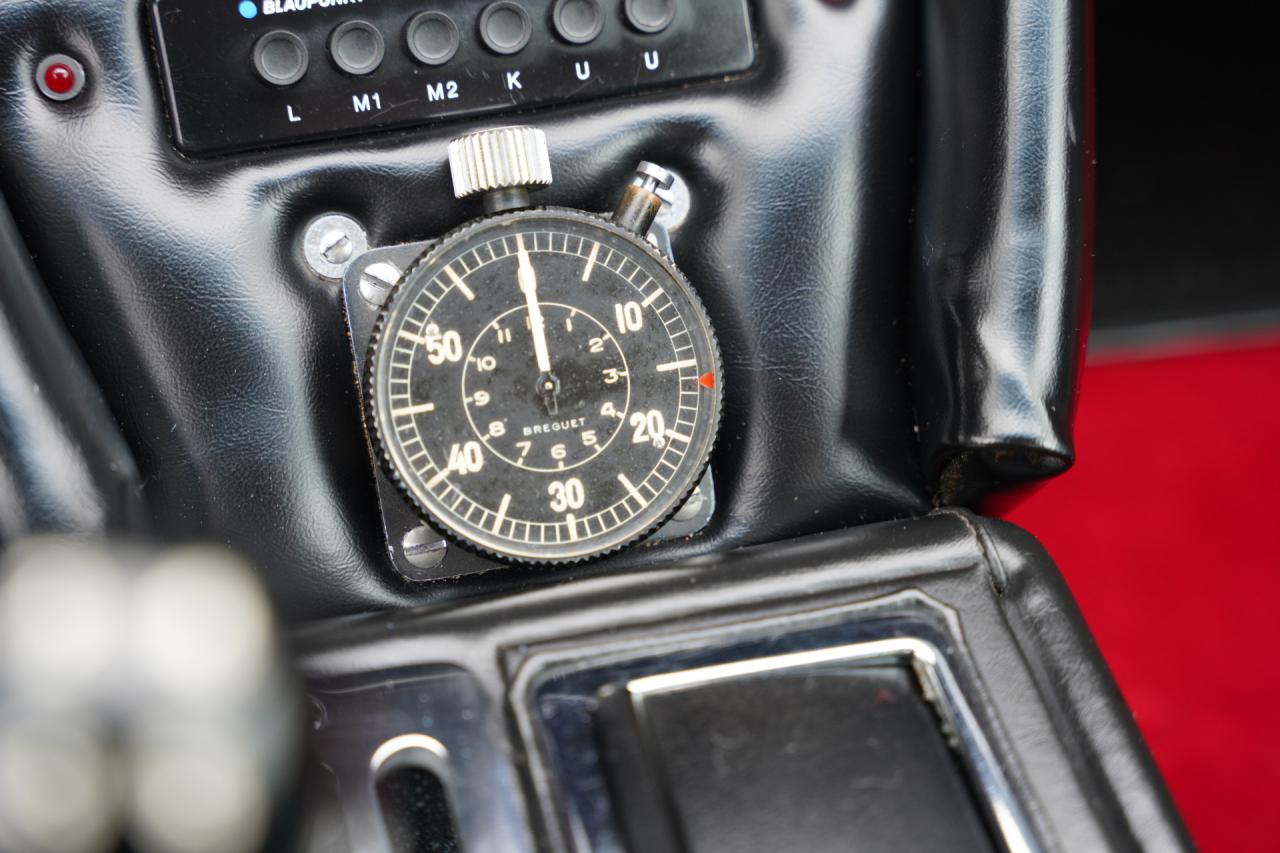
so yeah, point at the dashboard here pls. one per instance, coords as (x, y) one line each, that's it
(226, 359)
(596, 392)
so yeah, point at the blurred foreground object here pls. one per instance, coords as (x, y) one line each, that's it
(143, 696)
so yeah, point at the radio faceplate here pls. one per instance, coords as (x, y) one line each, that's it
(244, 74)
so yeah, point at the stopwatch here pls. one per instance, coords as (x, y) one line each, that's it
(543, 384)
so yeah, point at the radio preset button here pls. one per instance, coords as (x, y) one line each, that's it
(505, 27)
(432, 37)
(280, 58)
(346, 67)
(577, 21)
(356, 47)
(650, 16)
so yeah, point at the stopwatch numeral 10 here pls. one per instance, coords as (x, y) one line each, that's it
(629, 317)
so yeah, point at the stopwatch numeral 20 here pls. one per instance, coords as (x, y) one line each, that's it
(650, 427)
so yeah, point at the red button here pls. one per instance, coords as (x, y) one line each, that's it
(60, 78)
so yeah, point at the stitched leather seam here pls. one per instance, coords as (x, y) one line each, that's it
(990, 555)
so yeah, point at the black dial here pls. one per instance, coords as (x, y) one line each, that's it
(545, 386)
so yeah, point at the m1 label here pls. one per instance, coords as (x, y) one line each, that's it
(365, 103)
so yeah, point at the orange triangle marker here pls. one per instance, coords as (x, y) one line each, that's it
(707, 380)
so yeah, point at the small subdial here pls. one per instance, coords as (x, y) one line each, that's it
(546, 421)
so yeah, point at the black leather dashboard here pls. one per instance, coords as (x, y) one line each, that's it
(881, 224)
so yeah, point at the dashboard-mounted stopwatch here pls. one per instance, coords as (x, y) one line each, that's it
(541, 385)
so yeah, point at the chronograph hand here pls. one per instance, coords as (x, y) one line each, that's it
(494, 459)
(548, 385)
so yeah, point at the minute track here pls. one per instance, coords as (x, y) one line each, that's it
(492, 463)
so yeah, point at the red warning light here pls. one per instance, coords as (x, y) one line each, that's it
(60, 78)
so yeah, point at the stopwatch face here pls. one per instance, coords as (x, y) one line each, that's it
(545, 386)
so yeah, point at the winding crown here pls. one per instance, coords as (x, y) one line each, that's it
(505, 158)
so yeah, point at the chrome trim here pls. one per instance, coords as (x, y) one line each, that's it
(402, 750)
(554, 690)
(436, 716)
(940, 689)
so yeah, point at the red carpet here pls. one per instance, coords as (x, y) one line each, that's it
(1166, 531)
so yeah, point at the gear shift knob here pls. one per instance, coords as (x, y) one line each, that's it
(141, 693)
